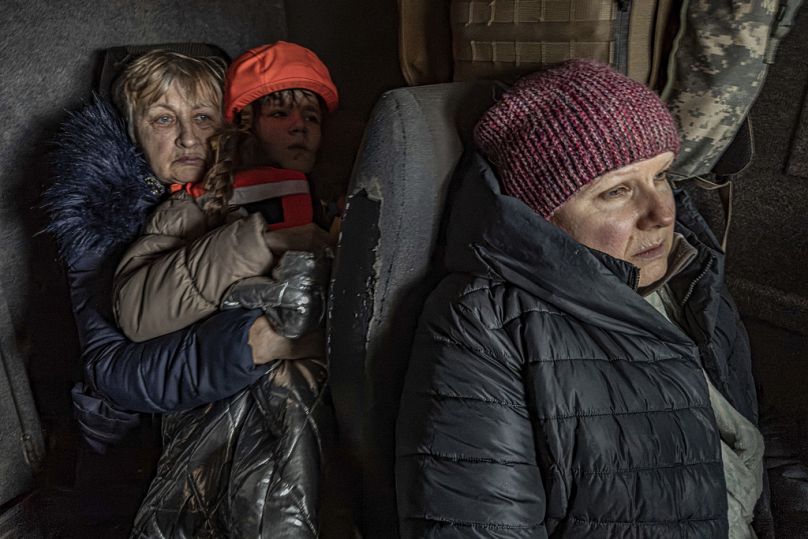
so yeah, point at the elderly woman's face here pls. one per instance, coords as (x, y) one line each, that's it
(173, 133)
(628, 213)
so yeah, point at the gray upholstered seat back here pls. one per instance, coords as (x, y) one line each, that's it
(383, 271)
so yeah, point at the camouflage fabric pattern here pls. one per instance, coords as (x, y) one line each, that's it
(717, 73)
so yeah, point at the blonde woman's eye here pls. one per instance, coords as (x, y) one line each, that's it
(163, 120)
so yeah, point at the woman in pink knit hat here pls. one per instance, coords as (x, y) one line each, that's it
(582, 370)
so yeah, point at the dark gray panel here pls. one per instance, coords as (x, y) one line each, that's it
(798, 159)
(357, 40)
(21, 445)
(768, 245)
(49, 53)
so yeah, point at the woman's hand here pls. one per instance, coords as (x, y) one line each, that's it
(268, 345)
(262, 341)
(308, 237)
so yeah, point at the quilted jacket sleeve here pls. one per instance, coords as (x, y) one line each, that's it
(176, 274)
(184, 369)
(465, 452)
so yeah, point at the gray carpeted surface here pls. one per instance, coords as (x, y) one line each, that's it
(768, 244)
(48, 56)
(768, 253)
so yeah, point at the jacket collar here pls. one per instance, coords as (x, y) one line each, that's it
(103, 189)
(505, 240)
(681, 255)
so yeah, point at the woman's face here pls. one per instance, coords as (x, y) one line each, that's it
(173, 133)
(289, 130)
(628, 213)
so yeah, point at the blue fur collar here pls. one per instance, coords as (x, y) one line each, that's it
(103, 189)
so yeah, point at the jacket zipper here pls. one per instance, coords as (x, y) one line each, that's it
(635, 279)
(697, 279)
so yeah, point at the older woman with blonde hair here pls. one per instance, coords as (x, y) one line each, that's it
(243, 433)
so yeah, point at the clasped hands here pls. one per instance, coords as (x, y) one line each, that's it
(293, 298)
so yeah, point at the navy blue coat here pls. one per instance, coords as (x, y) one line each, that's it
(103, 193)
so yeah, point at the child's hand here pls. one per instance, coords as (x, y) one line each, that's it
(308, 237)
(293, 300)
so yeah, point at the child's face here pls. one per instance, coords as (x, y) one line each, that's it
(288, 126)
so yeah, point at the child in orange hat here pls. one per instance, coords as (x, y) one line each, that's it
(275, 98)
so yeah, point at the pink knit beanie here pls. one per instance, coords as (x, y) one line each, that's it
(557, 130)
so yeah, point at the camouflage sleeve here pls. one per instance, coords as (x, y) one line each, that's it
(717, 70)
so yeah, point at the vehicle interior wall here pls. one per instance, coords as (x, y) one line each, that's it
(358, 41)
(766, 256)
(768, 246)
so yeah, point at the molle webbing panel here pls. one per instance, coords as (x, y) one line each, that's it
(507, 38)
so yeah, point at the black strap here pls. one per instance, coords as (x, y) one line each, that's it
(786, 13)
(738, 155)
(725, 194)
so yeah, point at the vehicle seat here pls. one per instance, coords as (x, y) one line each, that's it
(384, 270)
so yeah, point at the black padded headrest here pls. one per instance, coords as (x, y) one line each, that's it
(115, 59)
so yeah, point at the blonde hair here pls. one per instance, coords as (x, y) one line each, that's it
(236, 147)
(149, 76)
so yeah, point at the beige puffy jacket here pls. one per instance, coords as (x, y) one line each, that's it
(176, 273)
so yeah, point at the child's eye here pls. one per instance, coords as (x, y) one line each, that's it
(204, 118)
(661, 177)
(313, 118)
(278, 114)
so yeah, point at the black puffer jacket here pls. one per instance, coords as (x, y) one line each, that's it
(545, 397)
